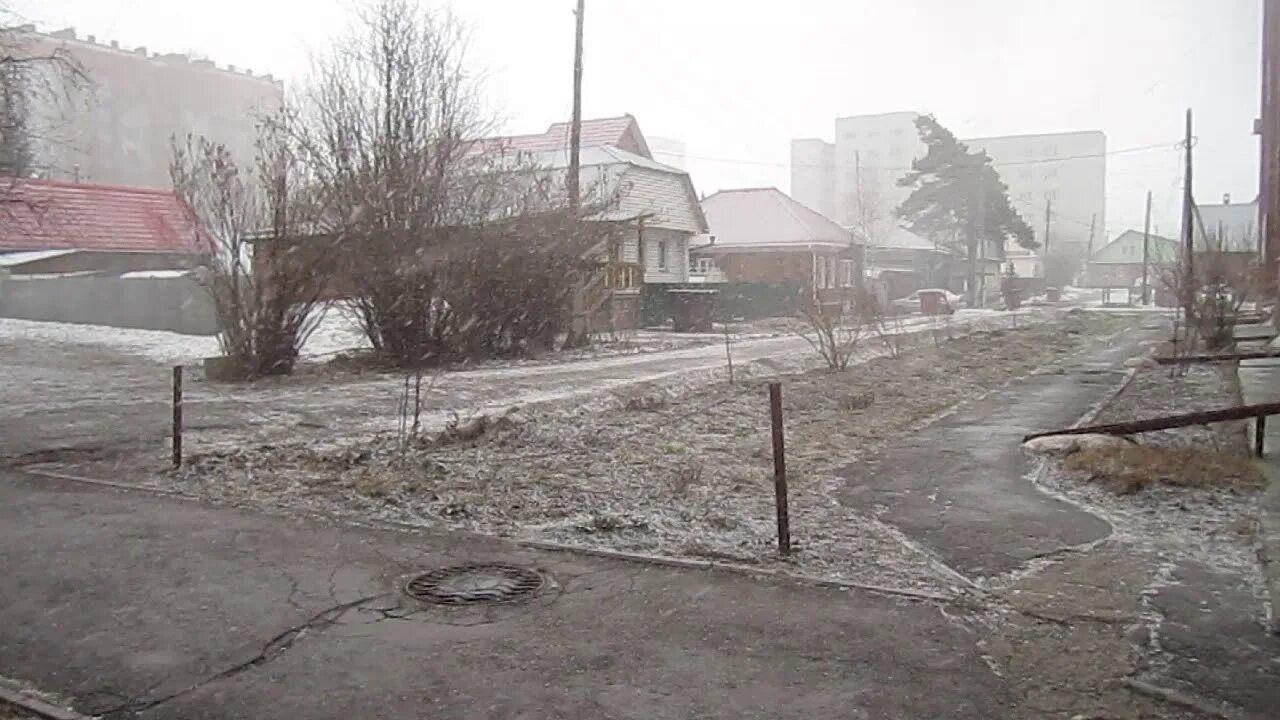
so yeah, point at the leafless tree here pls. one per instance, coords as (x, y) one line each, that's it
(451, 249)
(267, 267)
(1212, 290)
(38, 86)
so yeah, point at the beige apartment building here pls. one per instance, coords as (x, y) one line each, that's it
(856, 175)
(116, 128)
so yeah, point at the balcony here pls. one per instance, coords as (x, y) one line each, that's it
(704, 271)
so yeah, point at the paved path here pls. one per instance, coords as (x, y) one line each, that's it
(961, 486)
(172, 609)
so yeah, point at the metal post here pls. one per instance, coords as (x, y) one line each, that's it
(177, 416)
(1259, 434)
(779, 469)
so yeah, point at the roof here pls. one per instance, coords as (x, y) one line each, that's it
(620, 132)
(663, 195)
(1127, 249)
(52, 215)
(14, 259)
(1237, 223)
(768, 218)
(896, 237)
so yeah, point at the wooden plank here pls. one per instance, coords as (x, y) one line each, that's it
(1226, 357)
(1167, 422)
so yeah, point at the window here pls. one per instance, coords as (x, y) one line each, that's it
(1050, 194)
(1050, 150)
(1024, 173)
(662, 254)
(896, 131)
(846, 273)
(1050, 173)
(873, 133)
(895, 151)
(1024, 197)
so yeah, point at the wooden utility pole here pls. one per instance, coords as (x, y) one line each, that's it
(1188, 229)
(575, 126)
(1146, 250)
(779, 469)
(1048, 213)
(1093, 223)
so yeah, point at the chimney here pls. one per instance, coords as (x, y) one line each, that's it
(64, 34)
(1226, 198)
(141, 50)
(231, 68)
(115, 44)
(92, 39)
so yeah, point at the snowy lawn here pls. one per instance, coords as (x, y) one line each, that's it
(680, 469)
(1204, 508)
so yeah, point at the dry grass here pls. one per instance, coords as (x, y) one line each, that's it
(1126, 470)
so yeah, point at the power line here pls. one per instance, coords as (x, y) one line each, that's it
(1172, 147)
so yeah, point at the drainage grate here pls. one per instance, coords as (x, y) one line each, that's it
(475, 584)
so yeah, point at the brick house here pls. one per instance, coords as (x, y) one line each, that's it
(775, 254)
(1118, 264)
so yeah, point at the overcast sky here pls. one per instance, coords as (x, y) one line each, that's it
(737, 80)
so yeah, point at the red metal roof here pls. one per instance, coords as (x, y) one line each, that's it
(51, 215)
(620, 132)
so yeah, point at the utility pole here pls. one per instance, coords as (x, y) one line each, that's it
(1146, 250)
(1048, 213)
(1188, 230)
(1093, 223)
(575, 127)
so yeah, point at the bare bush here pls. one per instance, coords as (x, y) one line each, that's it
(834, 340)
(1212, 289)
(265, 273)
(453, 250)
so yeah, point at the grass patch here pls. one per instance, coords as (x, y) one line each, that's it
(1126, 470)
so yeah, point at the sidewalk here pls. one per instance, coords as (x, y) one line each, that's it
(158, 608)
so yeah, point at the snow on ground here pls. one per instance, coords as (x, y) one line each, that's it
(677, 466)
(1209, 525)
(334, 334)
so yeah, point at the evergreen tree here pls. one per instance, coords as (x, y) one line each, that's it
(957, 196)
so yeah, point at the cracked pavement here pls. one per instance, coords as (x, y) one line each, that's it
(136, 605)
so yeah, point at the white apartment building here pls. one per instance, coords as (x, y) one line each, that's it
(871, 153)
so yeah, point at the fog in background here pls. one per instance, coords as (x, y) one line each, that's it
(736, 81)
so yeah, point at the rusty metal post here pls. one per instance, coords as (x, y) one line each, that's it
(1259, 434)
(177, 416)
(779, 468)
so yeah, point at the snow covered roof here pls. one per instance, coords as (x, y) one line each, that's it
(768, 219)
(15, 259)
(1231, 227)
(899, 238)
(52, 215)
(620, 132)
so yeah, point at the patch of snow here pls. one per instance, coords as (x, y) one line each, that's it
(1067, 444)
(149, 274)
(21, 258)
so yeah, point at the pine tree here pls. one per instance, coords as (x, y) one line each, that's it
(959, 200)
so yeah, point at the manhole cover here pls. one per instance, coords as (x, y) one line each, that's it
(474, 584)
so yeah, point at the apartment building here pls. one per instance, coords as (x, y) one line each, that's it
(116, 128)
(857, 174)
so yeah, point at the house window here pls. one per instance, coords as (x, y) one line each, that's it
(1050, 194)
(1024, 197)
(662, 254)
(846, 272)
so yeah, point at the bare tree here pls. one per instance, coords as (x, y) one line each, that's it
(38, 86)
(267, 265)
(1213, 289)
(834, 340)
(451, 250)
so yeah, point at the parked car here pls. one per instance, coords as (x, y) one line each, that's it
(947, 301)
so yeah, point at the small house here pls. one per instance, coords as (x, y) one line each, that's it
(775, 254)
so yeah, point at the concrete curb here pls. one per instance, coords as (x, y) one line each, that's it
(733, 567)
(11, 693)
(547, 546)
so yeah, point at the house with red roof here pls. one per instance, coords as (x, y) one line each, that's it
(49, 226)
(102, 255)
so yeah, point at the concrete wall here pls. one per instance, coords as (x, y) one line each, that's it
(174, 304)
